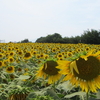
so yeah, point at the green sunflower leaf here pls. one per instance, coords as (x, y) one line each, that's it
(22, 77)
(75, 94)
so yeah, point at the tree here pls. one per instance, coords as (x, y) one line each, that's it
(88, 37)
(25, 41)
(91, 37)
(52, 38)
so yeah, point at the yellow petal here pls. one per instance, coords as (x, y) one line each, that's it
(67, 77)
(64, 72)
(91, 85)
(90, 53)
(84, 86)
(73, 80)
(97, 53)
(50, 80)
(74, 66)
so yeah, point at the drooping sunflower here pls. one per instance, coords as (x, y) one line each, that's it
(12, 77)
(10, 69)
(19, 69)
(49, 71)
(83, 71)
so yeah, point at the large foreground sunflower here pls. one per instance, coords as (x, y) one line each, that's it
(84, 71)
(49, 71)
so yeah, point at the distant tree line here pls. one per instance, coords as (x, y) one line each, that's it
(88, 37)
(24, 41)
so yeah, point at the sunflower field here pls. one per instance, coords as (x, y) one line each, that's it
(49, 71)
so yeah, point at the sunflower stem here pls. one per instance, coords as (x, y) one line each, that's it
(87, 96)
(54, 87)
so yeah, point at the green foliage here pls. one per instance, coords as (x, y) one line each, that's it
(22, 77)
(91, 37)
(14, 87)
(54, 38)
(81, 94)
(88, 37)
(25, 41)
(42, 98)
(19, 90)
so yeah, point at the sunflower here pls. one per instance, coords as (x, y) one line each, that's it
(1, 55)
(11, 53)
(10, 59)
(1, 50)
(9, 48)
(19, 69)
(42, 55)
(10, 69)
(1, 64)
(12, 77)
(87, 48)
(5, 62)
(46, 56)
(83, 71)
(53, 50)
(26, 69)
(69, 54)
(34, 52)
(38, 61)
(59, 55)
(20, 53)
(49, 70)
(38, 56)
(27, 55)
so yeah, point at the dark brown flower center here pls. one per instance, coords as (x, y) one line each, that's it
(27, 55)
(0, 63)
(88, 69)
(9, 68)
(50, 68)
(12, 76)
(59, 55)
(11, 59)
(11, 53)
(20, 53)
(0, 55)
(19, 69)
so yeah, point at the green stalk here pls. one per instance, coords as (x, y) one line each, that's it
(87, 96)
(54, 86)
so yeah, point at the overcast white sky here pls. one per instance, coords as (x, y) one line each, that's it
(31, 19)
